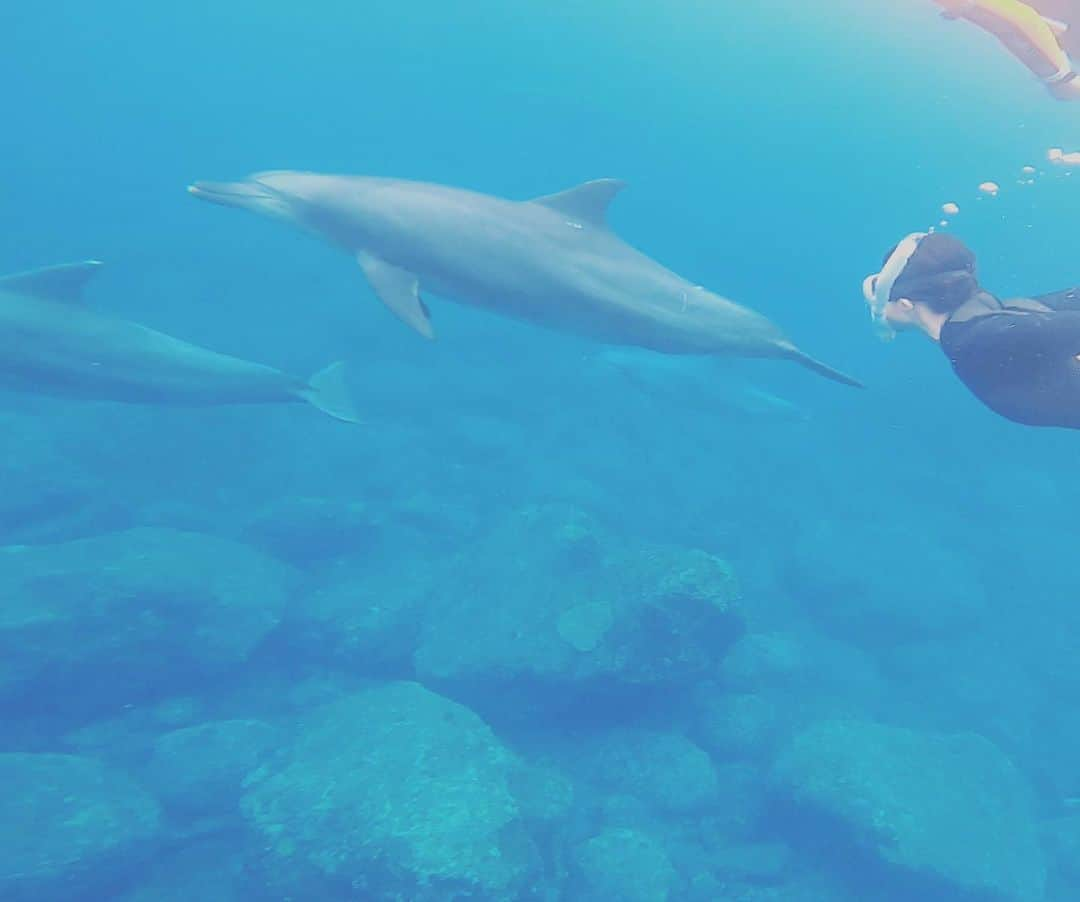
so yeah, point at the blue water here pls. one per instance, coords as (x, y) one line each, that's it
(210, 611)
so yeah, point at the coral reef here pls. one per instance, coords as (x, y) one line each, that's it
(397, 792)
(340, 700)
(950, 808)
(71, 826)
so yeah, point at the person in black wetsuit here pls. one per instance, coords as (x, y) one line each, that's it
(1020, 357)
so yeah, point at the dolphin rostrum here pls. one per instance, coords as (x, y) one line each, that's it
(56, 345)
(551, 261)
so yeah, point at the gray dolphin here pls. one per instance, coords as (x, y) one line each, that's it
(551, 261)
(54, 344)
(699, 382)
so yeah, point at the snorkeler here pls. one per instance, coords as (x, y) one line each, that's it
(1042, 34)
(1020, 357)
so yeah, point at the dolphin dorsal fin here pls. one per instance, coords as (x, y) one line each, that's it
(62, 283)
(586, 203)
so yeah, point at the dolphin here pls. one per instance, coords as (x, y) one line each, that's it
(54, 344)
(696, 381)
(552, 261)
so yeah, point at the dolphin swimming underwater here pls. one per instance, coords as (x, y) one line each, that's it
(696, 382)
(552, 261)
(54, 344)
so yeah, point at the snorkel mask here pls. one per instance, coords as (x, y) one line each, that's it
(878, 287)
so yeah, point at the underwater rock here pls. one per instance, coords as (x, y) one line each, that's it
(760, 660)
(201, 769)
(395, 792)
(716, 851)
(730, 870)
(988, 678)
(434, 523)
(938, 813)
(846, 578)
(543, 793)
(206, 870)
(1061, 837)
(32, 505)
(805, 662)
(118, 741)
(743, 793)
(552, 608)
(807, 674)
(363, 616)
(305, 531)
(70, 825)
(584, 626)
(38, 507)
(177, 711)
(43, 495)
(797, 888)
(759, 862)
(664, 770)
(126, 740)
(128, 613)
(626, 865)
(739, 725)
(621, 810)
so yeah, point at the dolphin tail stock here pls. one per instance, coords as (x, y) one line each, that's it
(328, 391)
(790, 352)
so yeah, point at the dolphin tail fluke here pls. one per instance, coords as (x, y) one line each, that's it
(328, 391)
(820, 368)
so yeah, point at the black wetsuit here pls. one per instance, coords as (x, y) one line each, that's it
(1019, 357)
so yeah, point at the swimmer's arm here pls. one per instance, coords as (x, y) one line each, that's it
(1029, 347)
(1067, 299)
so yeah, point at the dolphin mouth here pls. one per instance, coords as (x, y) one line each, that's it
(229, 194)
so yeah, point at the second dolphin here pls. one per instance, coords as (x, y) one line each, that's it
(54, 344)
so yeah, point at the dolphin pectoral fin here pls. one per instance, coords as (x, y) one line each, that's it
(399, 289)
(328, 391)
(62, 283)
(585, 203)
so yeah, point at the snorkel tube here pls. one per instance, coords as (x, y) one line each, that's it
(878, 286)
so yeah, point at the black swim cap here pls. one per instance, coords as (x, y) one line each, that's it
(940, 274)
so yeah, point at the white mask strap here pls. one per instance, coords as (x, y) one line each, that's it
(892, 270)
(877, 288)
